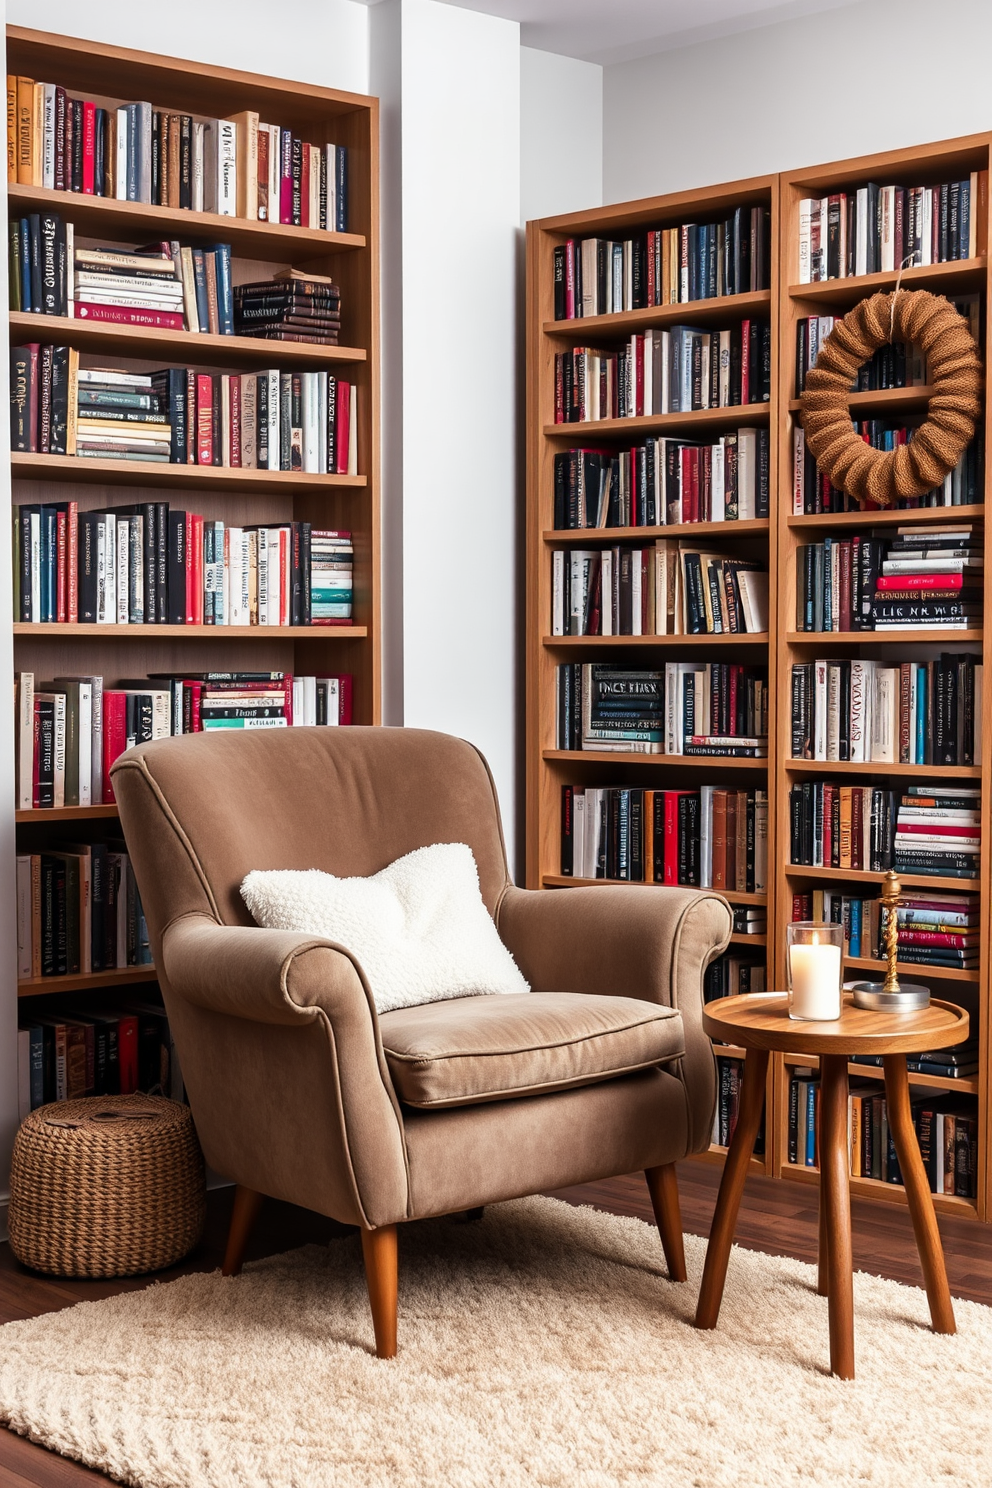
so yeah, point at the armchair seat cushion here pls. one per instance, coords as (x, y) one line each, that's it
(475, 1049)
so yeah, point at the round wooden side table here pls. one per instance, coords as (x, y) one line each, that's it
(760, 1023)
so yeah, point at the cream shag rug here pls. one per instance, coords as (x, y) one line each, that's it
(543, 1345)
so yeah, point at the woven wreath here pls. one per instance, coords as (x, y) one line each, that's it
(884, 476)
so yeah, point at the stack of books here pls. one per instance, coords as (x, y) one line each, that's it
(120, 417)
(40, 252)
(679, 370)
(706, 838)
(874, 229)
(750, 919)
(842, 826)
(63, 1054)
(693, 708)
(294, 306)
(938, 929)
(237, 167)
(919, 577)
(663, 482)
(79, 911)
(911, 712)
(665, 266)
(729, 1082)
(139, 288)
(939, 831)
(71, 730)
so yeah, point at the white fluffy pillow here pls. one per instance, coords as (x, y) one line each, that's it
(418, 928)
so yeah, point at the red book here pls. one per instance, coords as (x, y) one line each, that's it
(89, 147)
(190, 416)
(194, 569)
(732, 703)
(286, 177)
(72, 563)
(938, 938)
(61, 555)
(127, 1051)
(926, 581)
(343, 426)
(638, 375)
(234, 453)
(204, 419)
(940, 827)
(285, 575)
(652, 282)
(194, 692)
(163, 320)
(305, 186)
(36, 761)
(263, 175)
(745, 361)
(114, 737)
(570, 251)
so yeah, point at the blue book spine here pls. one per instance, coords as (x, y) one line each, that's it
(133, 151)
(921, 714)
(200, 285)
(49, 563)
(811, 1125)
(828, 600)
(25, 245)
(964, 218)
(225, 293)
(341, 193)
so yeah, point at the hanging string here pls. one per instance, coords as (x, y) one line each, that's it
(906, 264)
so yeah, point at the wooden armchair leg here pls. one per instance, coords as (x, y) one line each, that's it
(381, 1277)
(247, 1203)
(663, 1187)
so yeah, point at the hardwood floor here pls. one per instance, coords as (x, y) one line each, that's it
(776, 1217)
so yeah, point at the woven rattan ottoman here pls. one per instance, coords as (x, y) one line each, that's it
(106, 1186)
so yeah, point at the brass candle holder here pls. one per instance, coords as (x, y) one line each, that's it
(892, 996)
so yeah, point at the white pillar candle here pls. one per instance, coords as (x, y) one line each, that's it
(815, 981)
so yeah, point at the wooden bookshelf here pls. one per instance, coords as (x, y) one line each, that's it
(548, 768)
(112, 75)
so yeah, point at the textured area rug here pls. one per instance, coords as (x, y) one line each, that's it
(543, 1345)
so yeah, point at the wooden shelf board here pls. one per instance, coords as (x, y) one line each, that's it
(199, 632)
(101, 216)
(924, 636)
(861, 875)
(737, 938)
(753, 526)
(559, 881)
(884, 399)
(696, 312)
(92, 981)
(743, 415)
(954, 278)
(67, 813)
(597, 642)
(729, 1051)
(942, 516)
(913, 970)
(882, 767)
(609, 757)
(892, 1193)
(26, 466)
(875, 1072)
(185, 347)
(715, 1154)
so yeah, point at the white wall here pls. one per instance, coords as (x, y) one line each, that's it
(561, 134)
(876, 75)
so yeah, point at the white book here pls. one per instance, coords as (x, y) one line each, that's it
(120, 164)
(820, 705)
(333, 702)
(25, 741)
(747, 474)
(331, 163)
(309, 702)
(761, 842)
(926, 225)
(578, 832)
(144, 115)
(558, 593)
(196, 184)
(753, 590)
(718, 472)
(798, 469)
(311, 421)
(590, 276)
(885, 715)
(606, 592)
(636, 593)
(220, 168)
(59, 741)
(590, 852)
(23, 870)
(85, 742)
(833, 710)
(48, 138)
(724, 369)
(121, 578)
(861, 681)
(272, 376)
(861, 237)
(664, 381)
(275, 577)
(262, 572)
(322, 422)
(706, 836)
(805, 218)
(70, 249)
(673, 704)
(887, 237)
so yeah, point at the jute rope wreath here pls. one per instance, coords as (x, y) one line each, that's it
(883, 476)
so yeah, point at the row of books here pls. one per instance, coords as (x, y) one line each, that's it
(877, 229)
(64, 1054)
(932, 830)
(912, 713)
(729, 1082)
(664, 266)
(813, 494)
(236, 167)
(663, 482)
(894, 365)
(269, 420)
(706, 838)
(152, 564)
(914, 577)
(934, 929)
(166, 285)
(668, 589)
(694, 708)
(78, 911)
(70, 731)
(946, 1129)
(679, 370)
(734, 975)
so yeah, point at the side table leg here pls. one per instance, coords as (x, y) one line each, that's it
(731, 1188)
(835, 1201)
(918, 1194)
(823, 1263)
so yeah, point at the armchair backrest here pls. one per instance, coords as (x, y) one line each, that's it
(201, 811)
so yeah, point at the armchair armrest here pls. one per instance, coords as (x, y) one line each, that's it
(651, 942)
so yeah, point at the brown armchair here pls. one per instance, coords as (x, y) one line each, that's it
(300, 1091)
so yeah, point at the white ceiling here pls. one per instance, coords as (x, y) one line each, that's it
(608, 31)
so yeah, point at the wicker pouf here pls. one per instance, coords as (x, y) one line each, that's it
(106, 1186)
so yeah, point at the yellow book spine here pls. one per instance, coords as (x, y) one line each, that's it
(11, 127)
(25, 130)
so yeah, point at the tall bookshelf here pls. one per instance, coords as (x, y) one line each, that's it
(111, 76)
(548, 769)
